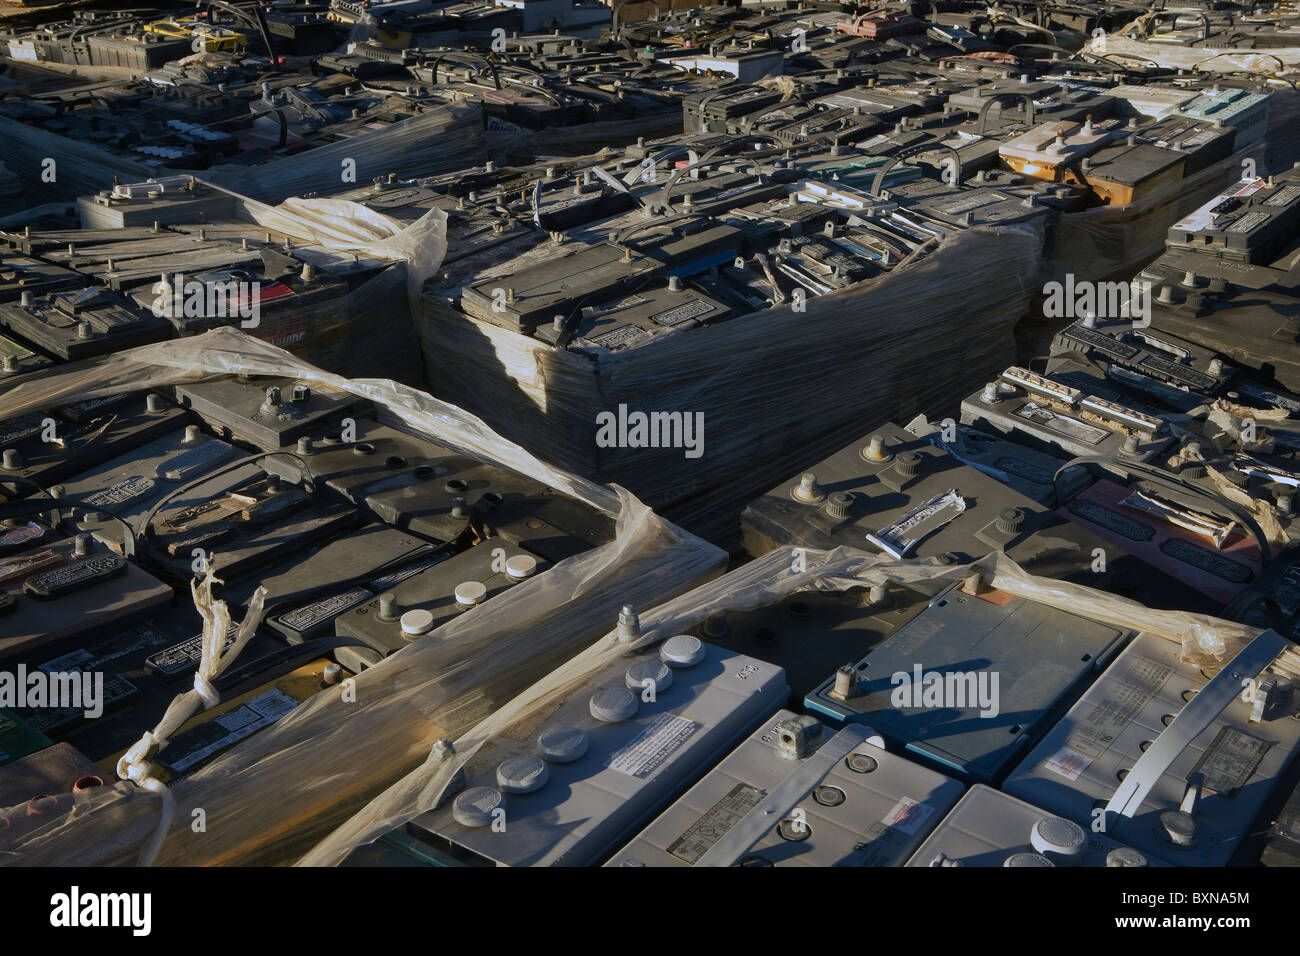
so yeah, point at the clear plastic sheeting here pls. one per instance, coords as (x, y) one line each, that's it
(1270, 62)
(776, 389)
(1113, 242)
(274, 795)
(81, 168)
(765, 581)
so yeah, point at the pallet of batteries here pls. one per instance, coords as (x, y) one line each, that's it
(748, 241)
(363, 536)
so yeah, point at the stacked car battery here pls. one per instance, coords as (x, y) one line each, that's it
(785, 275)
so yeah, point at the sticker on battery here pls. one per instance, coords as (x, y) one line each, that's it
(620, 336)
(1061, 424)
(51, 720)
(1230, 761)
(1123, 701)
(652, 746)
(679, 314)
(225, 730)
(714, 823)
(50, 584)
(309, 615)
(899, 538)
(908, 816)
(125, 492)
(184, 656)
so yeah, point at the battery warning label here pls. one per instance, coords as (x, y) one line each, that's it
(1230, 762)
(652, 746)
(1122, 701)
(714, 824)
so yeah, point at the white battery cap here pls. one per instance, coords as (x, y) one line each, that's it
(613, 704)
(522, 774)
(682, 651)
(562, 744)
(1052, 835)
(521, 566)
(417, 622)
(474, 807)
(655, 671)
(1027, 859)
(1125, 856)
(470, 593)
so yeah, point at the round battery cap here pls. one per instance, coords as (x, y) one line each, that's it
(1179, 827)
(562, 744)
(660, 677)
(1125, 856)
(522, 774)
(521, 566)
(1060, 837)
(1027, 859)
(470, 593)
(682, 651)
(417, 622)
(474, 807)
(613, 704)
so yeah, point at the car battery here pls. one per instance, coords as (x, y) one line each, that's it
(76, 325)
(715, 109)
(244, 519)
(424, 489)
(1185, 537)
(1205, 800)
(19, 274)
(268, 413)
(535, 294)
(969, 207)
(344, 572)
(990, 828)
(882, 103)
(798, 794)
(1160, 367)
(635, 319)
(140, 52)
(1202, 144)
(1256, 329)
(1251, 222)
(1045, 151)
(18, 738)
(881, 26)
(1245, 112)
(1030, 472)
(168, 200)
(910, 496)
(575, 785)
(129, 485)
(432, 597)
(302, 32)
(1125, 172)
(1060, 419)
(71, 587)
(18, 360)
(956, 36)
(1153, 99)
(41, 448)
(973, 681)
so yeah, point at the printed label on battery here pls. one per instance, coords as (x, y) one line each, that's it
(1062, 425)
(124, 492)
(618, 337)
(390, 581)
(225, 730)
(1230, 762)
(1206, 560)
(1283, 197)
(70, 577)
(715, 822)
(652, 746)
(308, 616)
(1248, 222)
(14, 430)
(49, 720)
(1122, 700)
(679, 314)
(908, 816)
(185, 655)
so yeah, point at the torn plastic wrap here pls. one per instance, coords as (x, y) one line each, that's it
(1264, 63)
(765, 581)
(776, 388)
(1113, 242)
(272, 796)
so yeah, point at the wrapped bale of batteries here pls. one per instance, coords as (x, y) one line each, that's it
(768, 388)
(766, 581)
(273, 796)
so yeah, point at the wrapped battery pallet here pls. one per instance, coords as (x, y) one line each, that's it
(769, 580)
(273, 796)
(774, 387)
